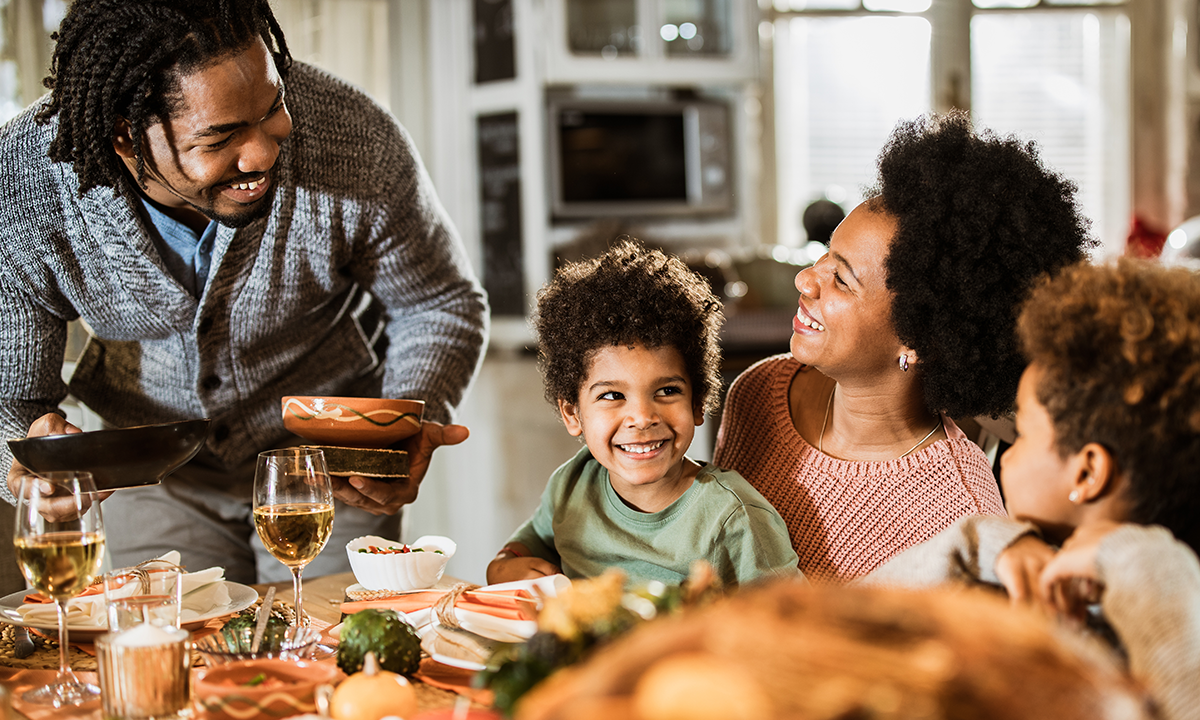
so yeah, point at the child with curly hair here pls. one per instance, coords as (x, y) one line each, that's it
(629, 356)
(1104, 465)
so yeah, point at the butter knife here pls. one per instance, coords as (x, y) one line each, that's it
(260, 622)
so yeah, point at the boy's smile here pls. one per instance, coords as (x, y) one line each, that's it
(636, 414)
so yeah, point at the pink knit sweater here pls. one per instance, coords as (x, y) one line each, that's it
(846, 518)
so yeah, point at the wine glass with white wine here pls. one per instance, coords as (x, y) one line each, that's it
(293, 509)
(59, 543)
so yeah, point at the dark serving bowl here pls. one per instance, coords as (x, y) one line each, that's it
(117, 458)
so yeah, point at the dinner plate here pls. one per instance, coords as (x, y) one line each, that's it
(240, 598)
(457, 648)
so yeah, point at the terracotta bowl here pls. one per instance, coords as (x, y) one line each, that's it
(119, 457)
(351, 421)
(400, 572)
(287, 687)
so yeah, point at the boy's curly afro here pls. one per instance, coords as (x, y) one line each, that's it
(979, 219)
(630, 294)
(1120, 347)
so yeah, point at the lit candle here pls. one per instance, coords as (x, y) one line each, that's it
(147, 635)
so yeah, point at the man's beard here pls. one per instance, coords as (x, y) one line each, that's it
(247, 215)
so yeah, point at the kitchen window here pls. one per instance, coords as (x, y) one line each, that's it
(845, 71)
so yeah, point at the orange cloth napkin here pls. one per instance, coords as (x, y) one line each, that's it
(35, 597)
(505, 604)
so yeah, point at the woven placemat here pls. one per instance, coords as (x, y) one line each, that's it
(45, 657)
(354, 594)
(432, 698)
(357, 592)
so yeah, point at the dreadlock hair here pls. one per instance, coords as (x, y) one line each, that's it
(123, 59)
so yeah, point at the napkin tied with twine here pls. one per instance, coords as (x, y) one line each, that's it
(202, 591)
(516, 604)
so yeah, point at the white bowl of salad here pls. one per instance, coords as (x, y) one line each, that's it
(382, 564)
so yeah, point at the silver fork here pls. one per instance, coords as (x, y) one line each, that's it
(23, 644)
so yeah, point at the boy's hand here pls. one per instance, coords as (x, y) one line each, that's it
(1019, 567)
(514, 563)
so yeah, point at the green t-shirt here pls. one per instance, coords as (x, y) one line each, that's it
(584, 527)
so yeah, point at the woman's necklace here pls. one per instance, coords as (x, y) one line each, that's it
(829, 406)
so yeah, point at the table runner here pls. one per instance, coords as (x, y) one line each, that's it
(19, 680)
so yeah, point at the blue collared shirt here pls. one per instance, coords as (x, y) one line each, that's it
(186, 254)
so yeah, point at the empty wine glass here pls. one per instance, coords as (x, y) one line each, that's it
(59, 543)
(293, 509)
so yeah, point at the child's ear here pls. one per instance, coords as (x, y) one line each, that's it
(698, 415)
(1095, 473)
(570, 417)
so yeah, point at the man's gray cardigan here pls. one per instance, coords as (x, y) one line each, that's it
(286, 309)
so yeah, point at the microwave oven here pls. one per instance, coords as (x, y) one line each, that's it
(639, 158)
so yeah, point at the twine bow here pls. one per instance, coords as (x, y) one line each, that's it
(143, 576)
(443, 609)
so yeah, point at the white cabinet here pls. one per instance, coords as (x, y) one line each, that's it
(550, 58)
(667, 42)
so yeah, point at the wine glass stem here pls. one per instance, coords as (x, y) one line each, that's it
(301, 619)
(65, 675)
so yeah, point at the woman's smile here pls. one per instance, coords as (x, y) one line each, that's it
(804, 322)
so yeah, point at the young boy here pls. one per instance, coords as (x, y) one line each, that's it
(628, 352)
(1104, 464)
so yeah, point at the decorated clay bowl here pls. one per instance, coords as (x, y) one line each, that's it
(262, 688)
(351, 421)
(385, 569)
(119, 457)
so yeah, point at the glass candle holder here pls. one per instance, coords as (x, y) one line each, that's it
(145, 672)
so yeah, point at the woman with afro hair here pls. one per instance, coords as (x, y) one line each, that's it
(907, 322)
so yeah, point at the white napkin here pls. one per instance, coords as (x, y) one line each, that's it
(202, 592)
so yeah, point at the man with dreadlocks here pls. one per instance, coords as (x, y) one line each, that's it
(232, 227)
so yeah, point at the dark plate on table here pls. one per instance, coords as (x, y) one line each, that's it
(117, 458)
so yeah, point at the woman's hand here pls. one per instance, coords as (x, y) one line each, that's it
(1020, 566)
(514, 562)
(1071, 582)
